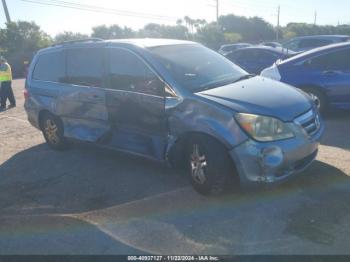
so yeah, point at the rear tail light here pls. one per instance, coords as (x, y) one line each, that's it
(26, 93)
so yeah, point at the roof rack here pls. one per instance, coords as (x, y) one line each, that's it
(79, 41)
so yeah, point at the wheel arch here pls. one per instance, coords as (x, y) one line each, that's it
(176, 150)
(43, 113)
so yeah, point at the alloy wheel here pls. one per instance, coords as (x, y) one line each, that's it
(51, 132)
(198, 165)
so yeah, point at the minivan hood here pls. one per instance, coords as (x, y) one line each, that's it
(261, 96)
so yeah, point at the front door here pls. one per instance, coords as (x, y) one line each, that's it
(334, 75)
(136, 105)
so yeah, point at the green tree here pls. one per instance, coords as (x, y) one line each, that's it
(23, 36)
(19, 41)
(211, 35)
(253, 29)
(69, 36)
(232, 37)
(164, 31)
(112, 32)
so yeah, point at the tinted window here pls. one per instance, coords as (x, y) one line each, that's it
(196, 67)
(248, 54)
(267, 56)
(292, 45)
(128, 72)
(309, 43)
(85, 67)
(50, 67)
(334, 61)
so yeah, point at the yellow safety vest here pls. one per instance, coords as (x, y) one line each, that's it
(5, 73)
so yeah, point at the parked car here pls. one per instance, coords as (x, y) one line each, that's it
(232, 47)
(305, 43)
(324, 73)
(272, 44)
(257, 58)
(173, 101)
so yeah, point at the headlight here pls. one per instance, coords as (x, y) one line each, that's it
(264, 128)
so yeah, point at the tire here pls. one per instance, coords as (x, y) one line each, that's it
(52, 129)
(210, 168)
(319, 98)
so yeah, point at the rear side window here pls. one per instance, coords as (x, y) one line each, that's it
(244, 55)
(50, 67)
(338, 60)
(129, 73)
(292, 45)
(308, 43)
(85, 67)
(267, 56)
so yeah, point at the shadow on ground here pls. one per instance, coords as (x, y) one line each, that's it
(337, 132)
(81, 179)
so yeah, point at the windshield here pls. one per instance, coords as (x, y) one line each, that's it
(196, 67)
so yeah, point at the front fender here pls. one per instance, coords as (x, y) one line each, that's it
(196, 116)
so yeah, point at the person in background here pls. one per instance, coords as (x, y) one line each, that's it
(6, 91)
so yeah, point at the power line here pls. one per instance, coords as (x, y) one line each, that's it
(98, 9)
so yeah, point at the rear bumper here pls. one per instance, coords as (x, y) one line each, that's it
(275, 162)
(32, 116)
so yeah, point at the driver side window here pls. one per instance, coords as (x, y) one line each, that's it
(129, 73)
(292, 45)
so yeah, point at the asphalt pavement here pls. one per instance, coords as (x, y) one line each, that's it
(92, 201)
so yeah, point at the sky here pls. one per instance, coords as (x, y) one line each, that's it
(54, 19)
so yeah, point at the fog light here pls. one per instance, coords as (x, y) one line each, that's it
(271, 157)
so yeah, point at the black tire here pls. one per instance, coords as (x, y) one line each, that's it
(52, 128)
(218, 169)
(319, 98)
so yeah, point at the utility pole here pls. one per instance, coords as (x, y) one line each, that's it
(217, 11)
(278, 23)
(6, 11)
(315, 21)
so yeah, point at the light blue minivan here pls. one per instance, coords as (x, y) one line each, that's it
(177, 102)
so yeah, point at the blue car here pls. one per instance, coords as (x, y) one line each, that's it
(324, 73)
(305, 43)
(176, 102)
(225, 49)
(256, 58)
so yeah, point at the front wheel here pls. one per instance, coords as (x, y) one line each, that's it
(210, 168)
(52, 129)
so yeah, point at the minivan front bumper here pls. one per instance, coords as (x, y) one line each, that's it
(274, 162)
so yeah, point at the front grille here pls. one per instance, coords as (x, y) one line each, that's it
(310, 122)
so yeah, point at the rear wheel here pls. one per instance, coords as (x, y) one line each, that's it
(210, 168)
(52, 129)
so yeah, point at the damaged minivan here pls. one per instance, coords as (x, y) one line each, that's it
(176, 102)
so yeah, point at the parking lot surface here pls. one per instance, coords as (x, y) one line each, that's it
(92, 201)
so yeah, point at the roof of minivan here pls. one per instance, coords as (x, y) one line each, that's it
(279, 50)
(316, 51)
(140, 42)
(321, 36)
(150, 42)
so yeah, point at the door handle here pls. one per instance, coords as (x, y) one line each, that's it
(330, 73)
